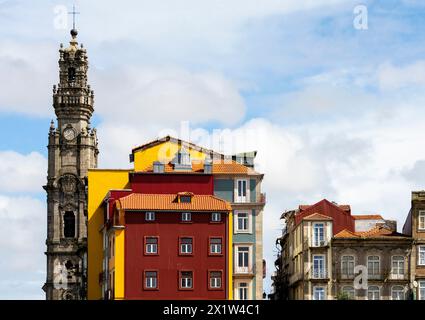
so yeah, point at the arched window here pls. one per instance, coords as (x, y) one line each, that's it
(373, 266)
(69, 224)
(71, 74)
(397, 267)
(397, 293)
(347, 266)
(373, 293)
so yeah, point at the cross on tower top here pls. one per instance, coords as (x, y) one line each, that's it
(73, 16)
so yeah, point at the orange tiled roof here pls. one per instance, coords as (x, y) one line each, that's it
(218, 167)
(368, 217)
(317, 216)
(376, 232)
(344, 207)
(168, 202)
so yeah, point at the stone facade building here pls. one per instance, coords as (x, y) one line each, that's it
(72, 150)
(324, 248)
(415, 227)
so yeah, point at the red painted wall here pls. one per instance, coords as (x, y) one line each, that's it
(169, 228)
(341, 219)
(172, 183)
(115, 195)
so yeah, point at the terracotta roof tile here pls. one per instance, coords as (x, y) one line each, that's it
(368, 217)
(376, 232)
(168, 202)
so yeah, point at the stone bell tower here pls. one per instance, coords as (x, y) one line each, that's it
(72, 150)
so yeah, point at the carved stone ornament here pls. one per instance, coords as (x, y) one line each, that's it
(68, 184)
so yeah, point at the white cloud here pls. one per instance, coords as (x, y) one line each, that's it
(167, 95)
(22, 173)
(392, 77)
(23, 226)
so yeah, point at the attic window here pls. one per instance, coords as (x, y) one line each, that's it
(185, 199)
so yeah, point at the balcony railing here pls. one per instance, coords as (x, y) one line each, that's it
(319, 274)
(402, 276)
(244, 270)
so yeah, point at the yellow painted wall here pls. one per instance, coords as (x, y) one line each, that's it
(119, 264)
(164, 152)
(99, 184)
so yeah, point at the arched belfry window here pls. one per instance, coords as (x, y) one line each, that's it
(71, 74)
(69, 224)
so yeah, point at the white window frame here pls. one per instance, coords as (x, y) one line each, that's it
(186, 282)
(374, 292)
(350, 265)
(318, 289)
(216, 248)
(216, 217)
(248, 222)
(421, 255)
(321, 272)
(149, 216)
(393, 290)
(151, 282)
(421, 220)
(186, 217)
(152, 248)
(421, 289)
(245, 288)
(241, 198)
(395, 272)
(240, 265)
(215, 282)
(372, 272)
(184, 247)
(318, 238)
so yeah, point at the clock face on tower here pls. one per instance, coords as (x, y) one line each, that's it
(69, 134)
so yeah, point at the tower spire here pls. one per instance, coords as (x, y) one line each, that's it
(73, 21)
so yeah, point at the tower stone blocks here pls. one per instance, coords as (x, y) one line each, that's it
(72, 150)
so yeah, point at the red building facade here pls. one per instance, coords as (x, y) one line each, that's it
(176, 236)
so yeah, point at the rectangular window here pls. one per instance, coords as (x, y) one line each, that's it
(421, 220)
(150, 216)
(319, 234)
(185, 199)
(216, 217)
(242, 263)
(243, 291)
(422, 290)
(242, 222)
(421, 254)
(319, 293)
(319, 271)
(215, 245)
(373, 265)
(215, 279)
(151, 280)
(186, 280)
(186, 245)
(186, 217)
(241, 190)
(151, 245)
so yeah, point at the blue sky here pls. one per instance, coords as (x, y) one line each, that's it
(334, 112)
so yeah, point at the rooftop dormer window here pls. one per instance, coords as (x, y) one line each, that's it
(184, 197)
(182, 161)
